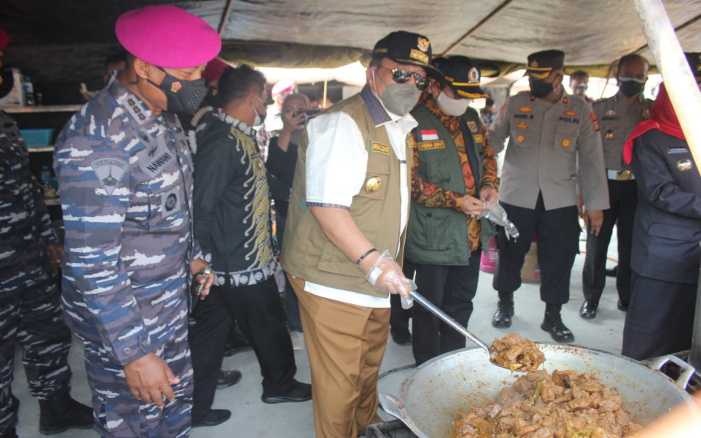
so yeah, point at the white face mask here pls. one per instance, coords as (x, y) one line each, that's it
(452, 107)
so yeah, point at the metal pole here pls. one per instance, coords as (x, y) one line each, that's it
(679, 82)
(686, 99)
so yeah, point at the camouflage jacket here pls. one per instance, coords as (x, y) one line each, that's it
(125, 182)
(25, 225)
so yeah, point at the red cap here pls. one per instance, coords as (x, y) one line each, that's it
(214, 69)
(4, 39)
(167, 36)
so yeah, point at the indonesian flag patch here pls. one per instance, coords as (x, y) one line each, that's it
(428, 134)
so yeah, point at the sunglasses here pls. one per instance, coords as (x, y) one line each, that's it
(402, 76)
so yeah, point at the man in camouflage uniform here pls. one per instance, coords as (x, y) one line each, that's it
(30, 313)
(125, 181)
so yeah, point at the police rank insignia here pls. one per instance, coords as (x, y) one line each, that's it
(526, 109)
(472, 126)
(373, 184)
(110, 172)
(566, 143)
(522, 125)
(684, 165)
(520, 139)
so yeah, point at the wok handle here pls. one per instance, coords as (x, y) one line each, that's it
(395, 407)
(687, 370)
(447, 319)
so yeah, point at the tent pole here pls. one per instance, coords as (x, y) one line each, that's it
(326, 91)
(225, 16)
(686, 99)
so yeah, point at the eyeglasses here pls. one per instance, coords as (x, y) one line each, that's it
(402, 76)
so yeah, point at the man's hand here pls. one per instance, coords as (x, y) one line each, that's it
(292, 119)
(489, 195)
(595, 219)
(150, 380)
(196, 268)
(471, 206)
(391, 279)
(55, 253)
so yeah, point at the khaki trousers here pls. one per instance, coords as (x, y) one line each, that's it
(345, 344)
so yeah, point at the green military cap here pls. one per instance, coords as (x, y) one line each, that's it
(540, 64)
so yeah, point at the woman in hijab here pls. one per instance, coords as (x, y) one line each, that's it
(666, 233)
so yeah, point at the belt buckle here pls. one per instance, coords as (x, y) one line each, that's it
(624, 175)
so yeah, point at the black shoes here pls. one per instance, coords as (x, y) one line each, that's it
(502, 317)
(552, 323)
(401, 337)
(12, 433)
(61, 412)
(214, 417)
(613, 272)
(589, 309)
(228, 378)
(299, 392)
(623, 307)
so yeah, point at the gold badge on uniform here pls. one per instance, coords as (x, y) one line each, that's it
(684, 165)
(570, 113)
(472, 126)
(373, 184)
(609, 135)
(566, 143)
(526, 109)
(520, 139)
(431, 145)
(479, 138)
(380, 148)
(522, 125)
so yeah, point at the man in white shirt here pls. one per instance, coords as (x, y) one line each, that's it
(346, 226)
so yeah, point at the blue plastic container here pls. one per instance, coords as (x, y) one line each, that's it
(37, 137)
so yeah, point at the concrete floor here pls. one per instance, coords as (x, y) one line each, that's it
(253, 419)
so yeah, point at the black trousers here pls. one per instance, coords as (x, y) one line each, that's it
(452, 289)
(660, 318)
(399, 317)
(261, 318)
(558, 234)
(209, 328)
(624, 199)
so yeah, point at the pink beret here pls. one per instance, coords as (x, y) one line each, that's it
(4, 39)
(167, 36)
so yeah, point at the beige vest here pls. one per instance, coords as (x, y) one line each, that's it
(307, 252)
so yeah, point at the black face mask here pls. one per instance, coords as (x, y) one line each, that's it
(540, 88)
(631, 88)
(182, 96)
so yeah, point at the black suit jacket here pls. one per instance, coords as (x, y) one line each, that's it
(667, 228)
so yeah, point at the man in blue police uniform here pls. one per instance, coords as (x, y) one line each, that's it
(125, 180)
(666, 233)
(30, 312)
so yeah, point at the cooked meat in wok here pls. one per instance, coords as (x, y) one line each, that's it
(564, 404)
(516, 353)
